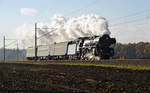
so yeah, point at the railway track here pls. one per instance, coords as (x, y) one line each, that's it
(134, 62)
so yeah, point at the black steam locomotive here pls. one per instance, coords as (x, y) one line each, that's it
(83, 48)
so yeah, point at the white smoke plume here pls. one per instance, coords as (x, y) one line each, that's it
(63, 29)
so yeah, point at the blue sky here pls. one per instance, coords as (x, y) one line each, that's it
(11, 18)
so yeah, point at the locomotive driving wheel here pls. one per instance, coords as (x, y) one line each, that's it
(85, 51)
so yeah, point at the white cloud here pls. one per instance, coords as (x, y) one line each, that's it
(28, 11)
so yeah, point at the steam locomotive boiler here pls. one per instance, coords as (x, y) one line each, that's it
(83, 48)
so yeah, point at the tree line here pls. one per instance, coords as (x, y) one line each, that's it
(139, 50)
(11, 54)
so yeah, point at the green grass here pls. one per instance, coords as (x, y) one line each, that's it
(85, 64)
(112, 66)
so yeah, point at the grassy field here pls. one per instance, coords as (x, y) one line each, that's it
(46, 77)
(119, 66)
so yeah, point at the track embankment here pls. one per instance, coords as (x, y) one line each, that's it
(125, 62)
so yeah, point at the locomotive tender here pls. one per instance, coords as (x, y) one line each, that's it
(83, 48)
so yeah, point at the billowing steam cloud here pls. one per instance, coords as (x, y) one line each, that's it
(62, 28)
